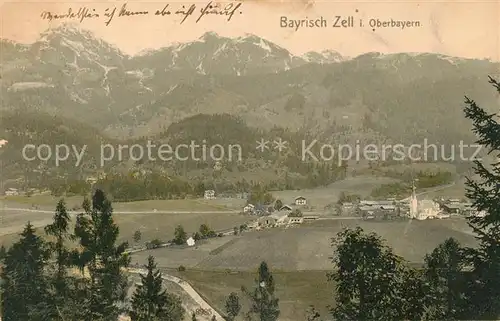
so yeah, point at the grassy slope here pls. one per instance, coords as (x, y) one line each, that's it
(296, 290)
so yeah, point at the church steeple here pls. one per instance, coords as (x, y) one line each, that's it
(413, 202)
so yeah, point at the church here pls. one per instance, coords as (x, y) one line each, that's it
(423, 209)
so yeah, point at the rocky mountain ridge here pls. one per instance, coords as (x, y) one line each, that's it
(72, 73)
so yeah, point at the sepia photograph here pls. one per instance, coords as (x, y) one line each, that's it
(249, 160)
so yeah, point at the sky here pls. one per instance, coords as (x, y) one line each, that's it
(464, 29)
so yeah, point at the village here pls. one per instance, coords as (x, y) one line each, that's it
(298, 212)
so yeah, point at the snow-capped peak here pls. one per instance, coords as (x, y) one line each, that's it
(209, 35)
(323, 57)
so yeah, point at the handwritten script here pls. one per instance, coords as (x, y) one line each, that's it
(166, 10)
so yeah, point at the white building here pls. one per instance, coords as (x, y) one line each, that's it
(428, 209)
(279, 219)
(12, 192)
(190, 241)
(209, 194)
(248, 208)
(300, 201)
(424, 209)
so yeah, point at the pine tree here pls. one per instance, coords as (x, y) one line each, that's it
(24, 285)
(150, 302)
(484, 294)
(67, 290)
(97, 234)
(233, 306)
(263, 304)
(59, 230)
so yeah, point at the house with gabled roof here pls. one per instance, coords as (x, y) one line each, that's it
(286, 208)
(300, 201)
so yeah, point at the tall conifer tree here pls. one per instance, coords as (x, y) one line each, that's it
(104, 259)
(264, 306)
(150, 302)
(484, 299)
(59, 230)
(24, 285)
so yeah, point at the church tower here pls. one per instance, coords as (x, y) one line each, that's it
(413, 203)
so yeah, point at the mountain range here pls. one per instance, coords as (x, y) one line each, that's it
(71, 73)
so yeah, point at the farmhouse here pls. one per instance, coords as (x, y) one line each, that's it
(11, 192)
(347, 208)
(267, 221)
(295, 220)
(451, 208)
(209, 194)
(300, 201)
(285, 208)
(368, 203)
(249, 208)
(378, 210)
(279, 219)
(456, 207)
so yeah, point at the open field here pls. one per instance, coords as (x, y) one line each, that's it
(189, 257)
(162, 226)
(153, 225)
(295, 290)
(318, 198)
(43, 201)
(308, 247)
(49, 202)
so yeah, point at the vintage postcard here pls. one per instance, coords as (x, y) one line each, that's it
(249, 160)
